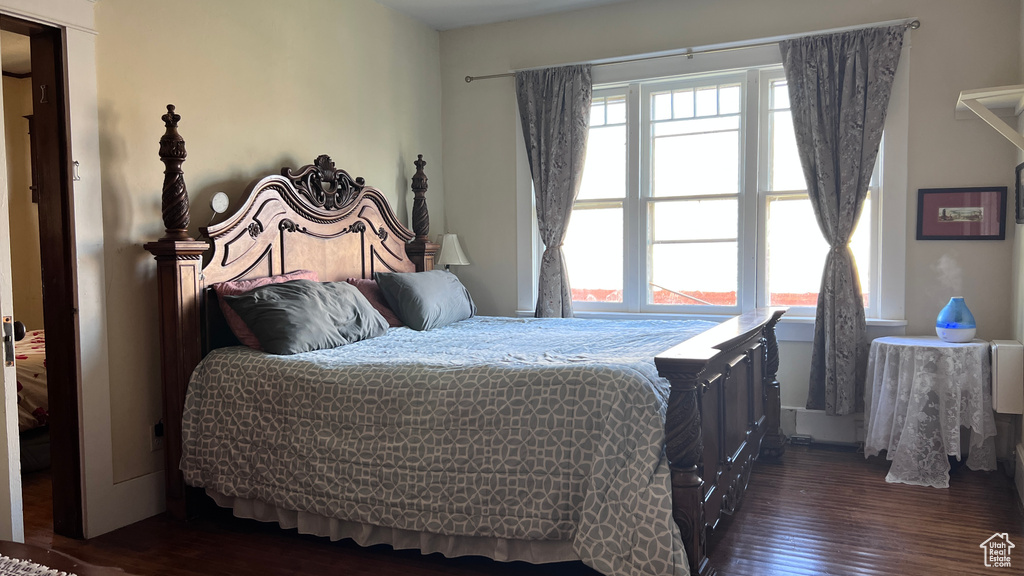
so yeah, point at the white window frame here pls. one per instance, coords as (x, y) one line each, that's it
(889, 282)
(763, 193)
(630, 223)
(647, 198)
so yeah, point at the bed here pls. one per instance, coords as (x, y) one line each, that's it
(33, 413)
(637, 450)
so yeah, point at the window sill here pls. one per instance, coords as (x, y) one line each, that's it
(801, 328)
(790, 328)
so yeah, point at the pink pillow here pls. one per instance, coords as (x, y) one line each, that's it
(370, 290)
(236, 287)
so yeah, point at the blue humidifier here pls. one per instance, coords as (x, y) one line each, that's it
(955, 322)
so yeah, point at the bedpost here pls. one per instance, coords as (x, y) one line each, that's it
(421, 251)
(774, 443)
(174, 200)
(178, 277)
(684, 447)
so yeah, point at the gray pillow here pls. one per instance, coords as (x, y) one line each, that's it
(426, 300)
(303, 315)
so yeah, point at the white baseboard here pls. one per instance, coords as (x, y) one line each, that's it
(1018, 476)
(821, 427)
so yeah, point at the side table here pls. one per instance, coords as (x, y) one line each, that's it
(919, 392)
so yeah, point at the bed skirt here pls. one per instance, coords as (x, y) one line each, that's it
(503, 550)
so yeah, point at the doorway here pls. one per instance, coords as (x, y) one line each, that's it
(51, 187)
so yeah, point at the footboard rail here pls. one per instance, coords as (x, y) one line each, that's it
(723, 412)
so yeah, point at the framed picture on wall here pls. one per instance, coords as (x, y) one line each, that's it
(962, 213)
(1019, 186)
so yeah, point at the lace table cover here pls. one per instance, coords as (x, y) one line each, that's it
(920, 392)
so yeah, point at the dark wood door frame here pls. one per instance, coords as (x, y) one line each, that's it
(52, 143)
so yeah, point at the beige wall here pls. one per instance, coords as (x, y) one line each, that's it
(260, 84)
(960, 45)
(24, 215)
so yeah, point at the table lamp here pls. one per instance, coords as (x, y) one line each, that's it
(451, 252)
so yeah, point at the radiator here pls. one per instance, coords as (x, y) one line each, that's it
(1008, 376)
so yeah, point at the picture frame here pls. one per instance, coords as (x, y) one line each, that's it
(1019, 197)
(977, 213)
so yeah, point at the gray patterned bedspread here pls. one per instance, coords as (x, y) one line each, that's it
(528, 429)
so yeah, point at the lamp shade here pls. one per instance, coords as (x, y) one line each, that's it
(451, 252)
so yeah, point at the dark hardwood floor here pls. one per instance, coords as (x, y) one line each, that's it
(815, 512)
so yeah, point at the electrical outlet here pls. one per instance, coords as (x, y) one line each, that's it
(156, 437)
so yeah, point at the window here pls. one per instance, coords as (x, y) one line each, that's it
(794, 247)
(693, 200)
(593, 245)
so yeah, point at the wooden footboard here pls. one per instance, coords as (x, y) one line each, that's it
(723, 411)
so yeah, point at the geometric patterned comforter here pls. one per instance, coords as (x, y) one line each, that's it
(535, 429)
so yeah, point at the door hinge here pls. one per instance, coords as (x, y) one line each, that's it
(8, 341)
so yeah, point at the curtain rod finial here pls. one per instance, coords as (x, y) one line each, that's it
(914, 24)
(469, 79)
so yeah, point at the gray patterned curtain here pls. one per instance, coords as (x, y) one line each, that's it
(554, 105)
(839, 86)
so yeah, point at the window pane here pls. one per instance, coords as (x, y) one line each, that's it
(786, 171)
(696, 164)
(597, 112)
(593, 254)
(729, 100)
(663, 106)
(698, 274)
(604, 173)
(682, 106)
(796, 251)
(780, 95)
(861, 245)
(694, 220)
(617, 110)
(707, 101)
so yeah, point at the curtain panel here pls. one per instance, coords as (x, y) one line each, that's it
(554, 107)
(839, 87)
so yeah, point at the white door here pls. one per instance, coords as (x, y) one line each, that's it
(12, 525)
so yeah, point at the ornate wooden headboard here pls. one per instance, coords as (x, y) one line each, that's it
(316, 217)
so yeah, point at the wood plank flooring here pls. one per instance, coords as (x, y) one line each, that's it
(816, 512)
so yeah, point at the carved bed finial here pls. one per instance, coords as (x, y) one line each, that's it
(324, 185)
(174, 198)
(420, 216)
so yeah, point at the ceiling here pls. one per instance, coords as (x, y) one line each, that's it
(14, 53)
(449, 14)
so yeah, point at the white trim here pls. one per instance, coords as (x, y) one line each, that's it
(847, 429)
(891, 251)
(801, 328)
(70, 14)
(527, 241)
(632, 250)
(12, 526)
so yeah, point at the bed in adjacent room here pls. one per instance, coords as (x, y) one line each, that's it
(33, 412)
(619, 443)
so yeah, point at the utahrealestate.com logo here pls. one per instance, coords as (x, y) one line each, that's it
(997, 550)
